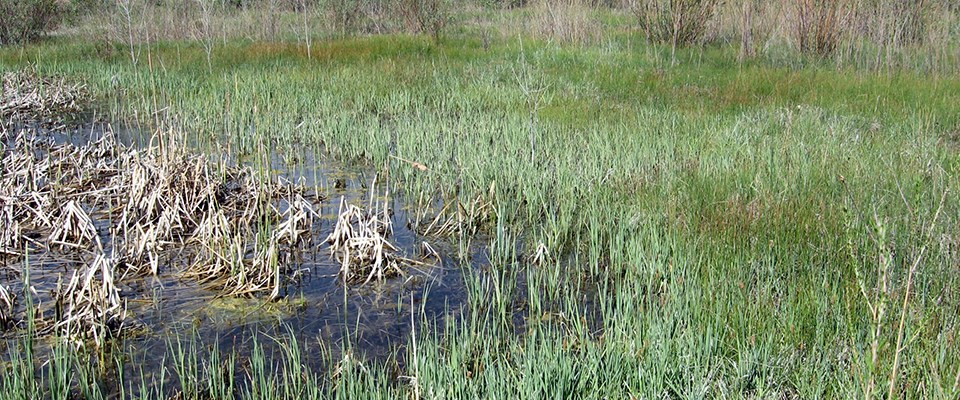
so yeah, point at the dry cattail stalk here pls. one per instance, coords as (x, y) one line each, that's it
(359, 242)
(7, 303)
(89, 306)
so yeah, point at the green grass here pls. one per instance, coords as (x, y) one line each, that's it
(723, 218)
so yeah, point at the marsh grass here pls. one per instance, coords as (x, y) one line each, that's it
(719, 218)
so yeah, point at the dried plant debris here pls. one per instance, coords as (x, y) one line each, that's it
(8, 303)
(10, 232)
(359, 242)
(151, 208)
(90, 306)
(241, 257)
(297, 220)
(73, 228)
(105, 212)
(28, 96)
(541, 256)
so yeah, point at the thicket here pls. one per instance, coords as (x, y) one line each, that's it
(28, 20)
(679, 22)
(876, 34)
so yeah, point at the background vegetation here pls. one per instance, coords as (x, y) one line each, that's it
(869, 34)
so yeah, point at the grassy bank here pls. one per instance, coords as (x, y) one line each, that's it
(705, 228)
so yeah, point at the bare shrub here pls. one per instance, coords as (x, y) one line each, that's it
(348, 17)
(344, 15)
(678, 22)
(28, 20)
(942, 36)
(904, 21)
(139, 22)
(893, 26)
(818, 25)
(425, 16)
(755, 21)
(203, 29)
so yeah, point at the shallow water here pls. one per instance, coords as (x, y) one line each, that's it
(373, 320)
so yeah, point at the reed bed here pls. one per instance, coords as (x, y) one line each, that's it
(26, 95)
(124, 212)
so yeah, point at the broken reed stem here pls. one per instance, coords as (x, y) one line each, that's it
(89, 306)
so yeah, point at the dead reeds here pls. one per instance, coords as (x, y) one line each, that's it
(7, 303)
(359, 242)
(247, 236)
(10, 233)
(89, 306)
(73, 228)
(131, 212)
(26, 95)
